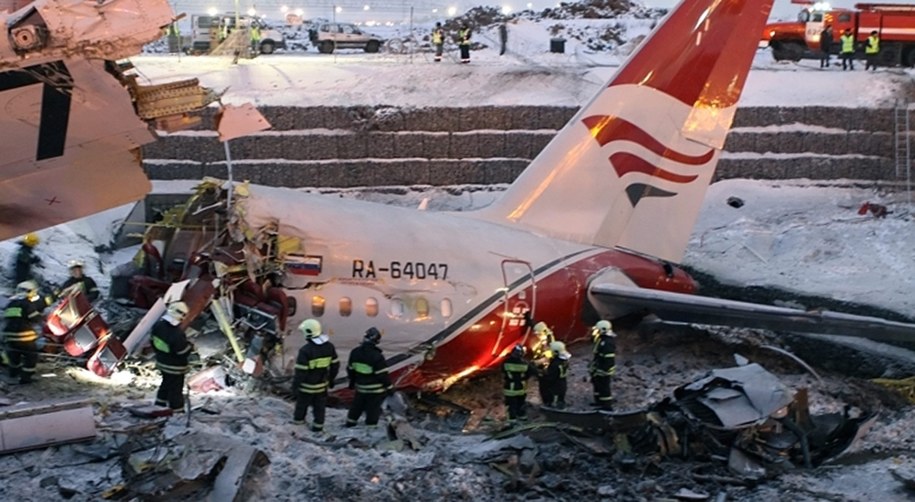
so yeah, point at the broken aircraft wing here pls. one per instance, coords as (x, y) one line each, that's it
(679, 307)
(70, 121)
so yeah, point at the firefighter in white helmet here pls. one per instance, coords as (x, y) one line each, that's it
(316, 367)
(172, 353)
(603, 364)
(78, 277)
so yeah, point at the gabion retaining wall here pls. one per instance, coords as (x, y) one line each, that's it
(368, 146)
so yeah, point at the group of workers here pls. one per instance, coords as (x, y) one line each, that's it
(22, 316)
(316, 369)
(847, 49)
(549, 363)
(463, 40)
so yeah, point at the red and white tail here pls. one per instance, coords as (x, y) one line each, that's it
(632, 167)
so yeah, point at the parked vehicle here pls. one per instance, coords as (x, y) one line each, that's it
(894, 23)
(328, 37)
(206, 29)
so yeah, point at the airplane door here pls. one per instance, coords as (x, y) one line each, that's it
(515, 274)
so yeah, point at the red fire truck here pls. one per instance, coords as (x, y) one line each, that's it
(895, 24)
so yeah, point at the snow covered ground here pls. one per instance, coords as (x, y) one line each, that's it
(795, 235)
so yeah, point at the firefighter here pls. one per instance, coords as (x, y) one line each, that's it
(25, 258)
(847, 45)
(78, 279)
(19, 332)
(172, 353)
(541, 352)
(316, 368)
(603, 364)
(515, 372)
(825, 46)
(438, 40)
(464, 43)
(368, 375)
(553, 381)
(871, 49)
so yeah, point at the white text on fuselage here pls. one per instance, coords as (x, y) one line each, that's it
(400, 270)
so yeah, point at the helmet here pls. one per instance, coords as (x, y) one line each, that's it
(603, 327)
(541, 328)
(177, 311)
(559, 349)
(31, 240)
(75, 263)
(372, 335)
(518, 350)
(27, 288)
(310, 328)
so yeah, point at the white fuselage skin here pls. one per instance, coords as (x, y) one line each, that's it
(422, 278)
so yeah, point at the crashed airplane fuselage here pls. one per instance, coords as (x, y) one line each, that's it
(589, 229)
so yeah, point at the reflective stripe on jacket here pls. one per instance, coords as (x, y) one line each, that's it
(367, 370)
(315, 368)
(515, 372)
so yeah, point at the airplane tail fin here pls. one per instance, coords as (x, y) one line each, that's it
(632, 167)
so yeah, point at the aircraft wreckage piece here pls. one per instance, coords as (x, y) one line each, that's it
(37, 425)
(744, 414)
(73, 120)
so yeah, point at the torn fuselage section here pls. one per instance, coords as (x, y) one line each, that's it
(206, 239)
(743, 415)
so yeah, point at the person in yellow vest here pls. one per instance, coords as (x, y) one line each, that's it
(438, 40)
(847, 43)
(871, 49)
(255, 38)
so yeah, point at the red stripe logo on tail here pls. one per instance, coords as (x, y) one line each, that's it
(607, 129)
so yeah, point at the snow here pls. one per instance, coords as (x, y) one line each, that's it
(798, 235)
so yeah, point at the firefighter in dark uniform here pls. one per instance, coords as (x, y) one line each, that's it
(368, 375)
(19, 333)
(554, 381)
(316, 368)
(172, 353)
(86, 283)
(25, 258)
(603, 365)
(515, 372)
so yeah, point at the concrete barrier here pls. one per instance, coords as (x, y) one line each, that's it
(383, 145)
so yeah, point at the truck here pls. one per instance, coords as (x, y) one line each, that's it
(206, 29)
(894, 23)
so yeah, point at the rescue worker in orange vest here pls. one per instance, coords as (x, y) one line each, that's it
(368, 375)
(172, 354)
(871, 49)
(847, 44)
(554, 381)
(316, 368)
(515, 372)
(603, 364)
(19, 332)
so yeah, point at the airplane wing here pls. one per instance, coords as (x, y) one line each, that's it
(680, 307)
(73, 121)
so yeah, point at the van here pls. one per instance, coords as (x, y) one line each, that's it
(205, 29)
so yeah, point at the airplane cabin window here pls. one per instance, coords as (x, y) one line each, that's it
(396, 308)
(422, 308)
(371, 307)
(446, 308)
(346, 307)
(317, 306)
